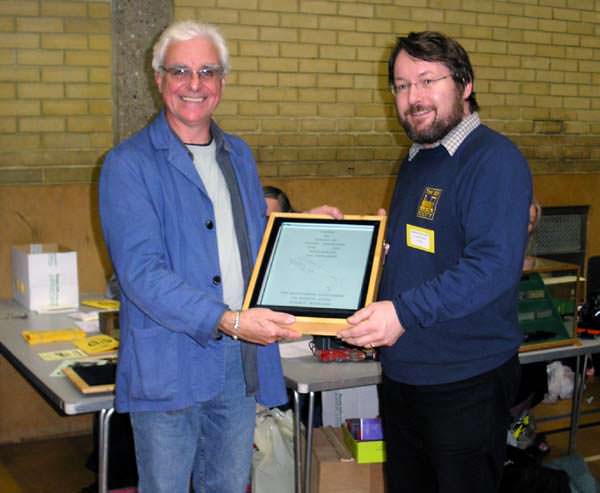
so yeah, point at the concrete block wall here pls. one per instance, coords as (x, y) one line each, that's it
(308, 88)
(55, 90)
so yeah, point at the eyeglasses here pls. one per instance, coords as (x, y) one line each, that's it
(403, 87)
(206, 73)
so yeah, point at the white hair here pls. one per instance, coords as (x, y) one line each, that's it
(185, 31)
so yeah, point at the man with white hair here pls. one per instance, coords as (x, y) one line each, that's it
(183, 215)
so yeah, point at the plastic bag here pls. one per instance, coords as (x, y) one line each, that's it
(560, 382)
(273, 461)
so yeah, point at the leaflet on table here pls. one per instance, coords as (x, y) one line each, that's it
(85, 316)
(62, 354)
(89, 326)
(102, 304)
(101, 343)
(58, 371)
(295, 349)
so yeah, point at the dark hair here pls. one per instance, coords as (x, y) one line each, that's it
(280, 196)
(435, 47)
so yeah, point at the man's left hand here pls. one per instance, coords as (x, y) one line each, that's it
(373, 326)
(327, 210)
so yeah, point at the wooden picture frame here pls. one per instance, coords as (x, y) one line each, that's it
(93, 377)
(319, 269)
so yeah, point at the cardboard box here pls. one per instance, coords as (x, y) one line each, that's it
(44, 276)
(356, 402)
(335, 471)
(364, 451)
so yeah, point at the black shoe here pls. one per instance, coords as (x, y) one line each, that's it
(90, 488)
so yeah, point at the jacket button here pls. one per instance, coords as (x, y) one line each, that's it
(216, 280)
(209, 224)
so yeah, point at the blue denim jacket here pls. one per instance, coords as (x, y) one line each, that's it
(158, 222)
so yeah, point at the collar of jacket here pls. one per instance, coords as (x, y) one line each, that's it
(164, 138)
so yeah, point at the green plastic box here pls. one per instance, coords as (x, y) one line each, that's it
(364, 451)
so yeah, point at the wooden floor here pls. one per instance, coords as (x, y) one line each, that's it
(49, 466)
(58, 465)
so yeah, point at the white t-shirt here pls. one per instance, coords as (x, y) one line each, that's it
(229, 254)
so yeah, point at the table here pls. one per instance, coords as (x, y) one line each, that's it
(305, 376)
(586, 348)
(61, 393)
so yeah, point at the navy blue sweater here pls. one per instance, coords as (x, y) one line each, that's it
(458, 303)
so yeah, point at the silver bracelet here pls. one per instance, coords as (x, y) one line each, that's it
(236, 325)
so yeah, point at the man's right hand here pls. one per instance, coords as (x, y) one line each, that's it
(260, 325)
(375, 325)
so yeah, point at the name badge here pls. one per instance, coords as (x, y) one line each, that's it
(420, 238)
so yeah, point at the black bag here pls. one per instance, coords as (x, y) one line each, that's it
(525, 474)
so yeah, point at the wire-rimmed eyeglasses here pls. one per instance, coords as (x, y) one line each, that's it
(182, 73)
(403, 86)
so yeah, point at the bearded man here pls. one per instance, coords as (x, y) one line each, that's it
(446, 322)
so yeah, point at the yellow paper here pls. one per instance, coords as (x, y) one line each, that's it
(97, 344)
(102, 304)
(52, 335)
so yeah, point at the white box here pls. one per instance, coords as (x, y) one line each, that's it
(357, 402)
(44, 276)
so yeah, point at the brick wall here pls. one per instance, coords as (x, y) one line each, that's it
(55, 90)
(308, 88)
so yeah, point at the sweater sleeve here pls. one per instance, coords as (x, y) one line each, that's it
(493, 197)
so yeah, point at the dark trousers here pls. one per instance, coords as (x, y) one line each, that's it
(448, 438)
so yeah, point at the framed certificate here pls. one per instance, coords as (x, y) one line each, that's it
(317, 268)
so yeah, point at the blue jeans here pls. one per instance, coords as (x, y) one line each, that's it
(209, 442)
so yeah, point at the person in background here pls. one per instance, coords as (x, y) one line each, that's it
(277, 200)
(183, 214)
(446, 323)
(535, 216)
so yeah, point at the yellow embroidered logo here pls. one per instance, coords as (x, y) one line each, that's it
(429, 202)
